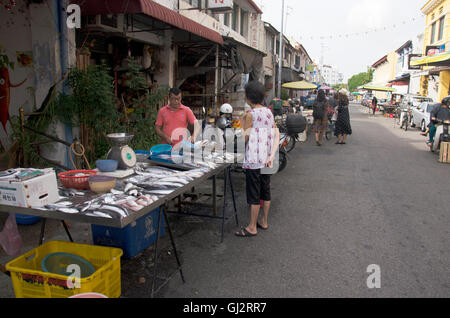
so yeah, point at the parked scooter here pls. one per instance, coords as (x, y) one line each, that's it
(442, 135)
(224, 123)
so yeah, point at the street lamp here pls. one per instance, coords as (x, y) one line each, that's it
(280, 64)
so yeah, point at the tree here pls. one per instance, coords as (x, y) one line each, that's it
(338, 87)
(360, 79)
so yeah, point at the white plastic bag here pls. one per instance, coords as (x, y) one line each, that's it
(10, 239)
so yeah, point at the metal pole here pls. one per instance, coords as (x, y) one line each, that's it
(216, 91)
(280, 64)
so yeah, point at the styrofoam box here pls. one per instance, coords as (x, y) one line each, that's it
(35, 192)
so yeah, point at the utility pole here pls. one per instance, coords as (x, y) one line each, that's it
(280, 64)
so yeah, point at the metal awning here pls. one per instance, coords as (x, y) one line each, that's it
(152, 9)
(377, 88)
(442, 59)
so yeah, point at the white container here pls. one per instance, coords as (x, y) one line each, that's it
(35, 192)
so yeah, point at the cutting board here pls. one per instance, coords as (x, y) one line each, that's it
(120, 174)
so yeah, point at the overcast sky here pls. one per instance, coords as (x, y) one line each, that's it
(388, 23)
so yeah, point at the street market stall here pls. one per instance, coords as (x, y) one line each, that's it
(150, 188)
(303, 86)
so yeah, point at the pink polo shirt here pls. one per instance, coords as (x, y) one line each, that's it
(172, 120)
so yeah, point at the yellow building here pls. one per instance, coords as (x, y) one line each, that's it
(436, 51)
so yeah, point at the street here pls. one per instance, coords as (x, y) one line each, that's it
(337, 209)
(381, 199)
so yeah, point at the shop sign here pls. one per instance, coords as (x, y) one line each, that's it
(220, 5)
(435, 49)
(310, 67)
(414, 57)
(254, 30)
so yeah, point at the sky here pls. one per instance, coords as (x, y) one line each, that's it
(361, 31)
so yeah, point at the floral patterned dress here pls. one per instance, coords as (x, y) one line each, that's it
(259, 146)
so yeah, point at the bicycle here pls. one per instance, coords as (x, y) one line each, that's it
(331, 128)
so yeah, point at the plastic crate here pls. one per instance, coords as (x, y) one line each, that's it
(30, 281)
(22, 219)
(133, 238)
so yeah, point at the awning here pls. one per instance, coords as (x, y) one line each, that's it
(302, 85)
(442, 59)
(398, 83)
(152, 9)
(377, 88)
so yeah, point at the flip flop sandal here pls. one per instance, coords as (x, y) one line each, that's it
(244, 233)
(260, 227)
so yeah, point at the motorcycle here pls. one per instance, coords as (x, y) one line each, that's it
(442, 135)
(224, 124)
(405, 118)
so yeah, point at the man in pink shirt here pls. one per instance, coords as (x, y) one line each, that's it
(174, 119)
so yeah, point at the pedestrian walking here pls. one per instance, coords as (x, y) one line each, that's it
(343, 127)
(320, 124)
(374, 105)
(262, 139)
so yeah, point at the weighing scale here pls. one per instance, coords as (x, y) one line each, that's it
(121, 152)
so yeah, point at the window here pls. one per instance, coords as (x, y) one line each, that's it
(297, 61)
(433, 32)
(226, 19)
(441, 28)
(234, 22)
(243, 29)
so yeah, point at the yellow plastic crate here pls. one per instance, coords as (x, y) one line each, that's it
(29, 281)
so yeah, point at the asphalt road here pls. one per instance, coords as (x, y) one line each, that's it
(381, 199)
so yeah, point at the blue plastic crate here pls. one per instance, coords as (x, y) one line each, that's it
(132, 239)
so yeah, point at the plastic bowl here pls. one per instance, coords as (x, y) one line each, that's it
(107, 165)
(57, 263)
(101, 184)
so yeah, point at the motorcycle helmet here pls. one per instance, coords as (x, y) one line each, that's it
(222, 123)
(226, 109)
(446, 101)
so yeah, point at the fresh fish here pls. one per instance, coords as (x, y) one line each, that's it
(100, 214)
(174, 180)
(86, 207)
(63, 203)
(132, 205)
(160, 192)
(115, 209)
(128, 187)
(68, 210)
(133, 192)
(116, 192)
(168, 184)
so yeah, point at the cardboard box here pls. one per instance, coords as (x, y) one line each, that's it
(35, 192)
(444, 156)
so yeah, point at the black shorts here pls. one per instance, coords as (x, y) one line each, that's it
(257, 186)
